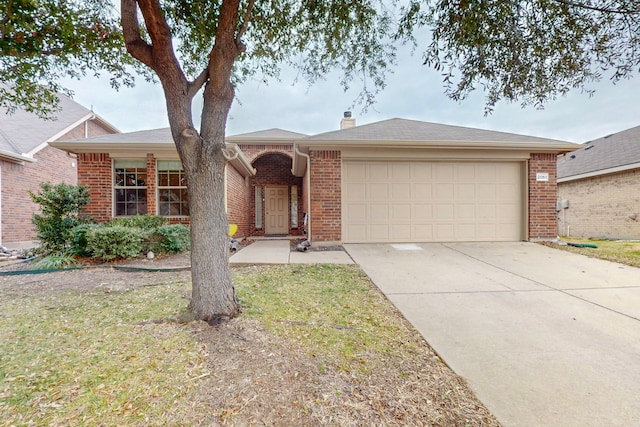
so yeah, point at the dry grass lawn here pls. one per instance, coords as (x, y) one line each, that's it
(316, 345)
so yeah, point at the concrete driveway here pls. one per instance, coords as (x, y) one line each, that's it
(544, 337)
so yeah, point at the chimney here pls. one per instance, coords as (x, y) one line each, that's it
(347, 121)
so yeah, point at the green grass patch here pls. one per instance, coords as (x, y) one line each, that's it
(90, 359)
(333, 311)
(622, 251)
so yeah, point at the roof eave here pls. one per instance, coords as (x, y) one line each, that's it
(541, 147)
(15, 157)
(115, 147)
(239, 161)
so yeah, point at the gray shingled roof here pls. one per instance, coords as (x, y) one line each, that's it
(163, 135)
(412, 130)
(611, 151)
(22, 132)
(267, 134)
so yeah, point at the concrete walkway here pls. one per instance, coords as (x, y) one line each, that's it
(279, 252)
(544, 337)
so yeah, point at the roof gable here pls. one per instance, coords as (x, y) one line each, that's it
(612, 151)
(267, 135)
(23, 132)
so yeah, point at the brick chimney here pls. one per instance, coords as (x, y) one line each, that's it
(347, 121)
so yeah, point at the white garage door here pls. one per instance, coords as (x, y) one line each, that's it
(431, 201)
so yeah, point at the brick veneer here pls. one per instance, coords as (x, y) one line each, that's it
(94, 172)
(326, 196)
(542, 197)
(52, 165)
(238, 194)
(606, 206)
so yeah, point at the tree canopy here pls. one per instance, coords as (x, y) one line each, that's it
(45, 41)
(528, 51)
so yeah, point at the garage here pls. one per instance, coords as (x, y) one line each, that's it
(432, 201)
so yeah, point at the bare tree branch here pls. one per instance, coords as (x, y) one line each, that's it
(198, 82)
(245, 26)
(136, 46)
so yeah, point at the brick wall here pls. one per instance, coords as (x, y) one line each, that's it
(238, 206)
(542, 197)
(603, 206)
(53, 166)
(326, 196)
(94, 172)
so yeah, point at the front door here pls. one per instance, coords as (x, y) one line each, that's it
(277, 210)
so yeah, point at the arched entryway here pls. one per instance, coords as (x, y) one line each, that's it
(276, 196)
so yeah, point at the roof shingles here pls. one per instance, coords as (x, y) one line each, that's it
(612, 151)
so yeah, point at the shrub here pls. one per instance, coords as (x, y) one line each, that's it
(169, 239)
(60, 207)
(114, 242)
(146, 222)
(79, 239)
(55, 261)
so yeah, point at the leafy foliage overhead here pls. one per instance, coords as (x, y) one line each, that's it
(529, 51)
(45, 41)
(312, 36)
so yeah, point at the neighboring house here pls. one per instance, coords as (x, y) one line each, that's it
(391, 181)
(599, 188)
(27, 159)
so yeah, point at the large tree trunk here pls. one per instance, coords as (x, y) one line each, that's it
(202, 154)
(213, 297)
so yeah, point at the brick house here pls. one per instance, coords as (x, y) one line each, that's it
(391, 181)
(27, 159)
(599, 188)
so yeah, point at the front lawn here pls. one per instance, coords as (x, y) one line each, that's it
(622, 251)
(315, 345)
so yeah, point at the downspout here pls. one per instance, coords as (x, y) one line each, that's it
(306, 156)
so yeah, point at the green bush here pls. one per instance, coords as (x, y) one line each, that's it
(60, 207)
(114, 242)
(169, 239)
(146, 222)
(79, 239)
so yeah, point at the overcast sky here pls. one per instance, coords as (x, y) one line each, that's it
(413, 91)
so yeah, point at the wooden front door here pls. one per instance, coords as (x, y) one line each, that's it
(277, 210)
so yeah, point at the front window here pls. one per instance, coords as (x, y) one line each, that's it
(172, 189)
(130, 187)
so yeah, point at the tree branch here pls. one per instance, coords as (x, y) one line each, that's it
(136, 46)
(245, 26)
(198, 82)
(600, 9)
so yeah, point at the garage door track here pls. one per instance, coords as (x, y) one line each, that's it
(544, 337)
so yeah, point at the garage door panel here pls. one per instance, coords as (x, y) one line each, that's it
(401, 191)
(422, 211)
(432, 201)
(401, 212)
